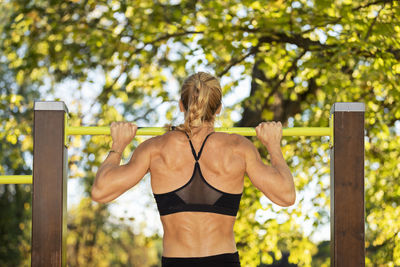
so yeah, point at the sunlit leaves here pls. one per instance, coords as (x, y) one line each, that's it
(89, 243)
(309, 54)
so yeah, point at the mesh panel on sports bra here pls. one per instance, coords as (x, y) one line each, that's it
(198, 191)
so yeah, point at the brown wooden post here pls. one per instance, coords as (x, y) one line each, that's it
(347, 186)
(49, 201)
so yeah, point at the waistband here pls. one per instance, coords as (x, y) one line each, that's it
(219, 258)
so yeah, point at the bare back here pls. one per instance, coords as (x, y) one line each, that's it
(197, 234)
(224, 161)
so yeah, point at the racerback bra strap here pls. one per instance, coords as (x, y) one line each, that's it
(197, 156)
(197, 195)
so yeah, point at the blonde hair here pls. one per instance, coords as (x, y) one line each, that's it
(201, 96)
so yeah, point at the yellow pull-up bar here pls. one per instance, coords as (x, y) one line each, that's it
(246, 131)
(15, 179)
(152, 131)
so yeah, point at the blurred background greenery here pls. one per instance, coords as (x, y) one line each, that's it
(278, 60)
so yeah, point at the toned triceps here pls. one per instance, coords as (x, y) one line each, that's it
(114, 181)
(137, 166)
(274, 181)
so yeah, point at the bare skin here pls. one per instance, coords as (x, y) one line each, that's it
(225, 160)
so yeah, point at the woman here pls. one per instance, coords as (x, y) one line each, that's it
(197, 176)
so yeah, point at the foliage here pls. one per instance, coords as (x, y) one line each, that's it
(95, 241)
(16, 145)
(300, 56)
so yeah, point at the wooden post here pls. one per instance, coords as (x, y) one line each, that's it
(49, 201)
(347, 186)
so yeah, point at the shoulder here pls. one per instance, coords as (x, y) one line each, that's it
(236, 141)
(167, 138)
(171, 136)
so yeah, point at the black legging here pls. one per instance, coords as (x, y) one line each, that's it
(220, 260)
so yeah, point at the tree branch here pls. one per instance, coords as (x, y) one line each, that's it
(297, 39)
(236, 61)
(103, 95)
(371, 4)
(291, 69)
(373, 23)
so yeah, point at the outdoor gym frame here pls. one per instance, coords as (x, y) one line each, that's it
(49, 200)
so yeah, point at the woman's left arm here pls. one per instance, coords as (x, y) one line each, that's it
(113, 179)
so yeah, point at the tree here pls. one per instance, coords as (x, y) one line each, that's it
(301, 57)
(94, 240)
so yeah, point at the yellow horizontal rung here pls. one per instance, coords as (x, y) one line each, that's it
(246, 131)
(15, 179)
(307, 131)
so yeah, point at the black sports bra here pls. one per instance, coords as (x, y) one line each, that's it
(197, 194)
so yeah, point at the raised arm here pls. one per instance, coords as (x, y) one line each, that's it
(113, 179)
(275, 180)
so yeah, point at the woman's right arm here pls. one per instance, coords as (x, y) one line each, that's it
(275, 180)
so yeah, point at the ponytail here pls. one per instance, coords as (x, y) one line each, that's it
(201, 97)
